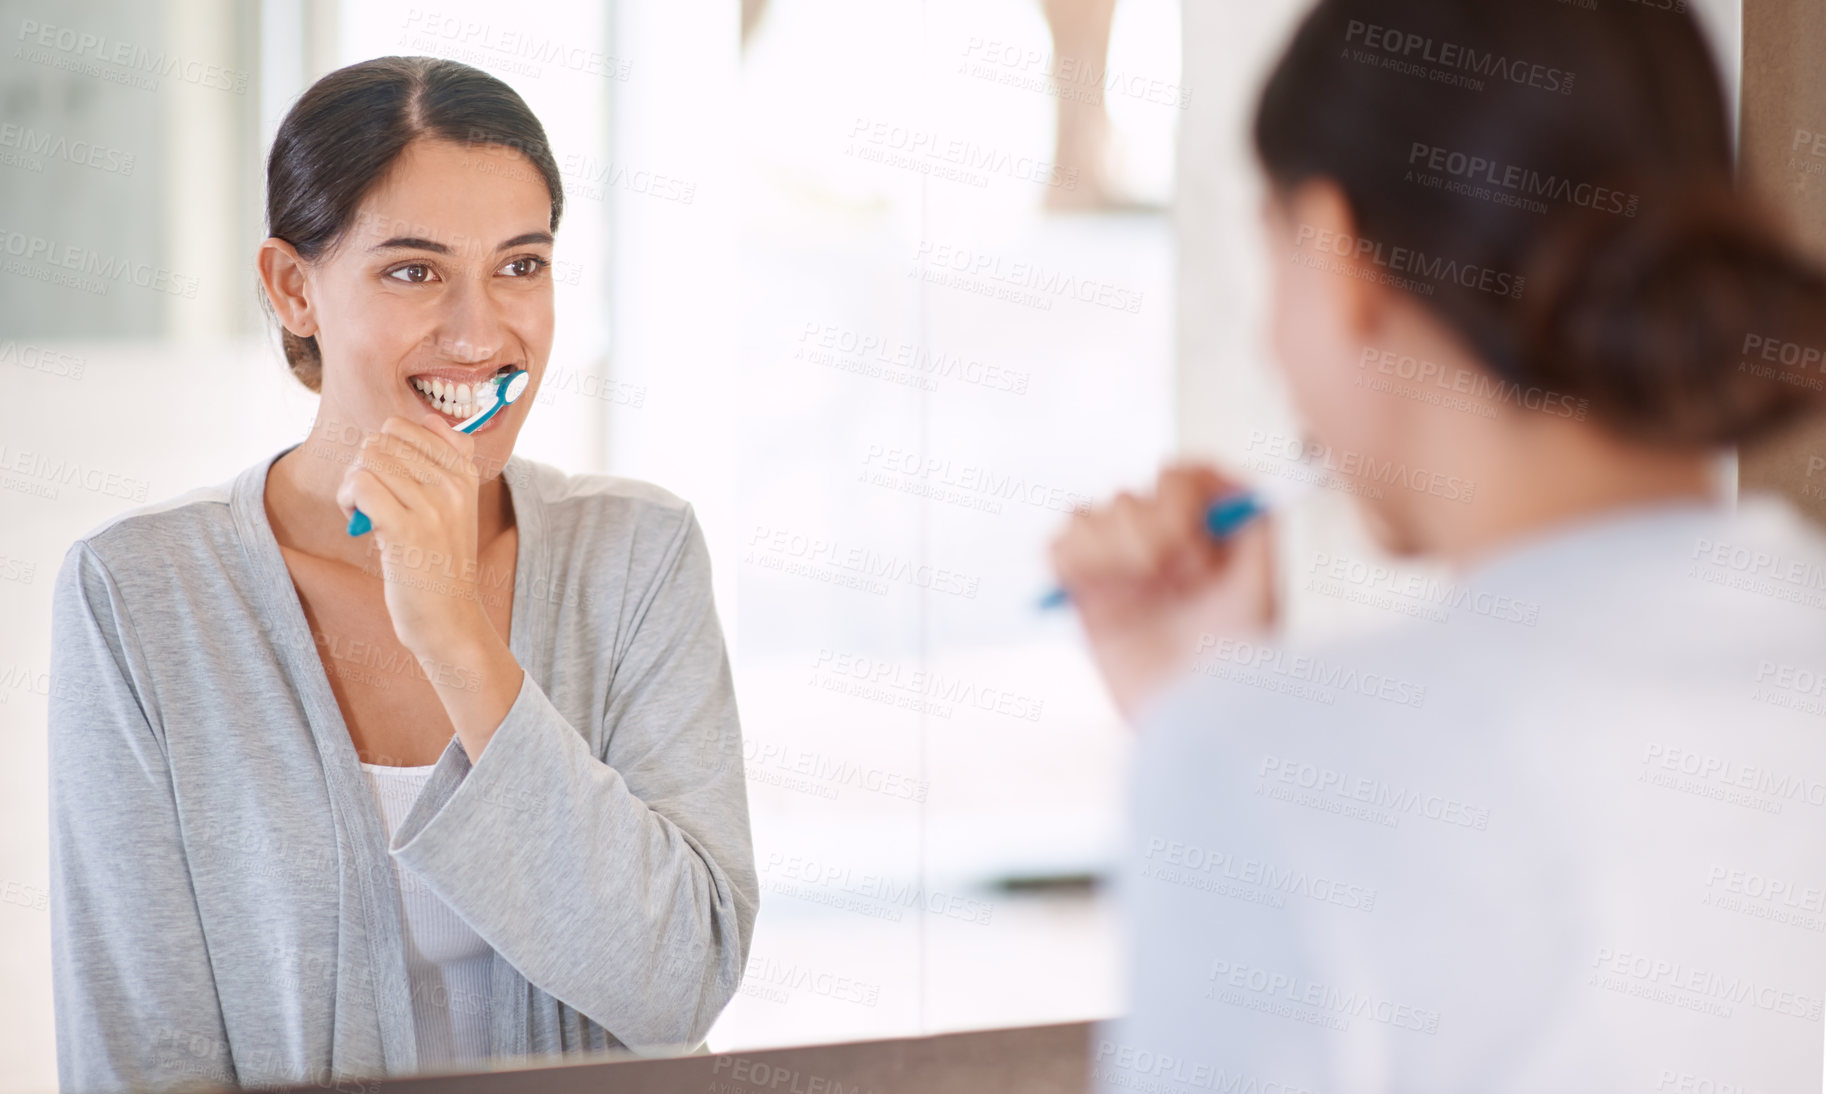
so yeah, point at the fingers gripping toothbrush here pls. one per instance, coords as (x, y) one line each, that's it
(508, 387)
(1223, 519)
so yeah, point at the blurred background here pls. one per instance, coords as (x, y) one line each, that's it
(909, 279)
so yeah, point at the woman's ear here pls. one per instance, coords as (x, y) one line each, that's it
(1318, 223)
(282, 274)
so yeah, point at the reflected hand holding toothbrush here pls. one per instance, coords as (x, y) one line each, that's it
(1223, 518)
(1152, 577)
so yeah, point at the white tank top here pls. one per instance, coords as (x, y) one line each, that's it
(447, 963)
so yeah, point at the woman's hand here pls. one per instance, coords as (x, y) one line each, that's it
(418, 484)
(1150, 583)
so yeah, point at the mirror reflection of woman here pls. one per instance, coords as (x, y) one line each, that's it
(1561, 825)
(465, 788)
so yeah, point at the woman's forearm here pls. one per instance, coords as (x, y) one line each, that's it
(477, 678)
(630, 895)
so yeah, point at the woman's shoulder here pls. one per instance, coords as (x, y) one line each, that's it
(589, 518)
(579, 495)
(160, 536)
(129, 569)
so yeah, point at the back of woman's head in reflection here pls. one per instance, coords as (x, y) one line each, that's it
(1509, 231)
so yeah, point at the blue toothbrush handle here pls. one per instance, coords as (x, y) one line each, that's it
(1223, 519)
(1228, 515)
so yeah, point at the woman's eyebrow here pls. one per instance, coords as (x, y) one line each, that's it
(418, 244)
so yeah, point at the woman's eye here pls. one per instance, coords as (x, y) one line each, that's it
(423, 273)
(525, 266)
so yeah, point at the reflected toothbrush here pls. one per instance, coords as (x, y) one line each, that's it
(508, 387)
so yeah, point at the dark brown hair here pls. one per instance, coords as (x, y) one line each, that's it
(341, 136)
(1582, 152)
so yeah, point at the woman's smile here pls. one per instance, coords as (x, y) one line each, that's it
(458, 394)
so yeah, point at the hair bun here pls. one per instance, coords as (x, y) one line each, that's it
(1692, 322)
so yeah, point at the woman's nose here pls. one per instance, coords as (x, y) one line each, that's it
(470, 331)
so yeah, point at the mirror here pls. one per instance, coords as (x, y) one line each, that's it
(883, 291)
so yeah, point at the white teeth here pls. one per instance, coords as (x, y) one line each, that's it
(454, 399)
(441, 404)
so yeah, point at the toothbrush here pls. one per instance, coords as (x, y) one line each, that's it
(508, 387)
(1225, 517)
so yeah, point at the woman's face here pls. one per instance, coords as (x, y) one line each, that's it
(1323, 323)
(445, 274)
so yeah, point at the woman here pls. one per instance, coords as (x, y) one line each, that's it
(461, 788)
(1562, 824)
